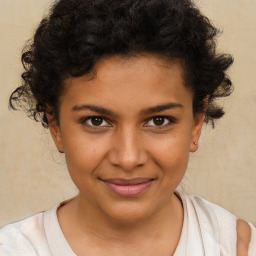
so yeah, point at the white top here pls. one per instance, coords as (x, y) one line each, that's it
(208, 230)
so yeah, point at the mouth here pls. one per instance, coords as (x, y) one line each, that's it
(128, 187)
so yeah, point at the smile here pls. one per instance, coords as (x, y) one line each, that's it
(130, 187)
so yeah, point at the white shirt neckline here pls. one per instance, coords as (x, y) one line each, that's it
(60, 247)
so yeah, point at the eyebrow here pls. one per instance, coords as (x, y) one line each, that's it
(160, 108)
(94, 108)
(105, 111)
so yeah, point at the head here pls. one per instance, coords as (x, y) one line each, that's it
(149, 72)
(79, 33)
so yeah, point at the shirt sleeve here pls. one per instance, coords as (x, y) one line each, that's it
(5, 251)
(24, 238)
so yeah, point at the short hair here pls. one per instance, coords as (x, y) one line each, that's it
(76, 34)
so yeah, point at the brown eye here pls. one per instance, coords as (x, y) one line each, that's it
(158, 121)
(96, 121)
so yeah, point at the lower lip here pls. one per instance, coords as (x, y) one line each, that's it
(129, 190)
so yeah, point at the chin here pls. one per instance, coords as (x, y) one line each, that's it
(129, 212)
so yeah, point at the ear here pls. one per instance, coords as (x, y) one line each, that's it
(55, 132)
(196, 131)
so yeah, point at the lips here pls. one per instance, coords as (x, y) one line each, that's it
(128, 187)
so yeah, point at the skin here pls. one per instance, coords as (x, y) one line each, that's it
(129, 143)
(243, 237)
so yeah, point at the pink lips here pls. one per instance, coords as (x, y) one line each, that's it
(131, 187)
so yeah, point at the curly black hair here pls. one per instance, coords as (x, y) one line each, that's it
(76, 34)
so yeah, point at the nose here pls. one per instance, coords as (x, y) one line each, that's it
(128, 150)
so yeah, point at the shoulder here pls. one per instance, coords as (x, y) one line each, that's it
(23, 236)
(243, 237)
(246, 238)
(212, 211)
(234, 234)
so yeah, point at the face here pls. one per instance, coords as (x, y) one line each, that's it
(127, 133)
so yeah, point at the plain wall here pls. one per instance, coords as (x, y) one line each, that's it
(33, 176)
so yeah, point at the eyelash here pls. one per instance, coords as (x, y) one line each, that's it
(171, 120)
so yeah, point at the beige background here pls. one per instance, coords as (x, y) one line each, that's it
(33, 176)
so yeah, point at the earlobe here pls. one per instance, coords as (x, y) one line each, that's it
(196, 131)
(55, 132)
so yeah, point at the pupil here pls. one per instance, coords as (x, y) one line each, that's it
(158, 121)
(97, 121)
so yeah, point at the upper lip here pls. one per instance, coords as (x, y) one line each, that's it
(134, 181)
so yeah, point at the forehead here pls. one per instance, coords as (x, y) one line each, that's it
(136, 80)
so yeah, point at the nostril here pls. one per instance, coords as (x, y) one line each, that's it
(127, 162)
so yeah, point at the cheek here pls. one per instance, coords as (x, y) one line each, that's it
(171, 154)
(83, 154)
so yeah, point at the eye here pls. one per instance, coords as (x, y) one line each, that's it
(96, 121)
(160, 121)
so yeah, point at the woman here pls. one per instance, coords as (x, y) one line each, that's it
(125, 87)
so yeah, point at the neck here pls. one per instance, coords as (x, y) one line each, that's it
(90, 222)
